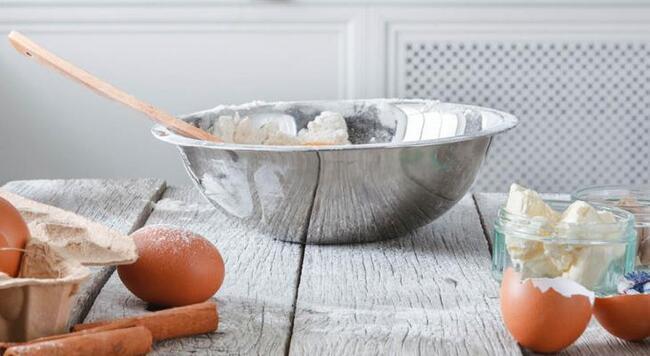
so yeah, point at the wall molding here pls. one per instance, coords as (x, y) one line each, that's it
(369, 36)
(345, 25)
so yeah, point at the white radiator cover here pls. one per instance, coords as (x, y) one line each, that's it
(576, 76)
(584, 106)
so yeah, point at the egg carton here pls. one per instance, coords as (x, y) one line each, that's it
(37, 303)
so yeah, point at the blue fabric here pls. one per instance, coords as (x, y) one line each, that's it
(637, 282)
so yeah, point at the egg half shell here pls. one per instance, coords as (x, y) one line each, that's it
(625, 316)
(544, 314)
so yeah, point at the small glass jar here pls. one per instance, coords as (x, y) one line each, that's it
(594, 255)
(633, 198)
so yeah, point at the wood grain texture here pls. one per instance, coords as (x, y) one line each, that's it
(119, 204)
(256, 299)
(427, 293)
(595, 340)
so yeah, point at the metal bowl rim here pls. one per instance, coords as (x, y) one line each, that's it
(508, 122)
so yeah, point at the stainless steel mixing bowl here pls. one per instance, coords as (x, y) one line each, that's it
(410, 161)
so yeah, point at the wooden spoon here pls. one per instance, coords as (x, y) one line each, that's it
(27, 47)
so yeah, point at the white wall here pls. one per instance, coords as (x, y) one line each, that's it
(192, 57)
(182, 59)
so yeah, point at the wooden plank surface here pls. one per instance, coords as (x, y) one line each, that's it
(120, 204)
(428, 293)
(595, 340)
(256, 299)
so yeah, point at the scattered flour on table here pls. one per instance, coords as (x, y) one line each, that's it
(328, 128)
(179, 205)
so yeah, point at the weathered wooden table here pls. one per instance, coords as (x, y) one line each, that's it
(428, 293)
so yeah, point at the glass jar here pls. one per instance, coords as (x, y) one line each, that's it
(594, 255)
(633, 198)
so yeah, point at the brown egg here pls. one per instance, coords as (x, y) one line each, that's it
(625, 316)
(175, 267)
(13, 235)
(539, 314)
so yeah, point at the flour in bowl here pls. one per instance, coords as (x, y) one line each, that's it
(328, 128)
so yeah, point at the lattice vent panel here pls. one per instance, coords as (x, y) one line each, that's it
(584, 107)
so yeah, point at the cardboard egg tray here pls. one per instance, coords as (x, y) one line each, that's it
(37, 303)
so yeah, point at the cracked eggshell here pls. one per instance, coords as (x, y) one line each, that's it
(625, 316)
(544, 314)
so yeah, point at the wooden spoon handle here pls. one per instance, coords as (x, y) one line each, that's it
(29, 48)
